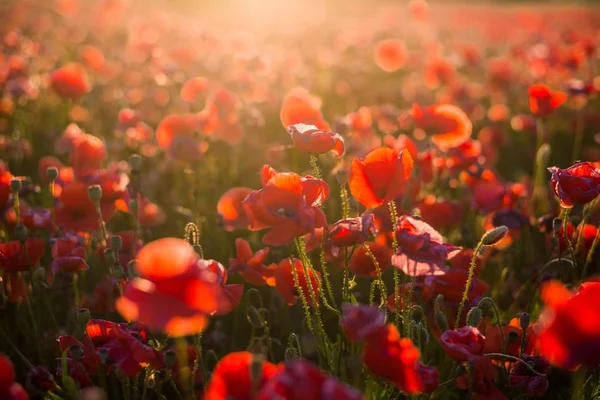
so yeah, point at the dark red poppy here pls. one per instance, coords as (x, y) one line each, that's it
(175, 292)
(68, 255)
(5, 178)
(451, 285)
(311, 139)
(463, 344)
(380, 177)
(351, 231)
(251, 265)
(578, 184)
(421, 249)
(512, 340)
(70, 82)
(316, 384)
(299, 106)
(570, 325)
(285, 284)
(288, 204)
(360, 322)
(9, 389)
(390, 54)
(481, 381)
(233, 379)
(449, 125)
(439, 212)
(231, 212)
(14, 258)
(362, 264)
(520, 375)
(543, 101)
(76, 212)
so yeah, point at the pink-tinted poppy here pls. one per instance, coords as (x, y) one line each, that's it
(311, 139)
(578, 184)
(251, 265)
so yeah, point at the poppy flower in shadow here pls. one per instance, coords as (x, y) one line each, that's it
(481, 381)
(421, 249)
(361, 321)
(543, 101)
(578, 184)
(439, 212)
(381, 176)
(68, 255)
(451, 285)
(76, 212)
(390, 54)
(285, 282)
(175, 292)
(299, 106)
(14, 260)
(362, 264)
(233, 376)
(520, 375)
(250, 265)
(449, 125)
(311, 139)
(70, 82)
(230, 295)
(5, 178)
(351, 231)
(316, 384)
(570, 325)
(463, 344)
(9, 388)
(231, 211)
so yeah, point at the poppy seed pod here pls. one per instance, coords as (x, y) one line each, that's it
(95, 193)
(441, 321)
(135, 162)
(15, 185)
(116, 243)
(21, 233)
(524, 320)
(495, 235)
(51, 173)
(76, 352)
(83, 316)
(474, 316)
(416, 314)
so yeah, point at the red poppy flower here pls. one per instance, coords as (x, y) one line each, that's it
(299, 106)
(390, 357)
(361, 263)
(231, 212)
(438, 212)
(481, 381)
(578, 184)
(233, 379)
(463, 344)
(570, 325)
(285, 285)
(520, 375)
(250, 265)
(390, 54)
(449, 125)
(451, 285)
(86, 154)
(5, 178)
(380, 177)
(438, 71)
(14, 258)
(176, 125)
(421, 249)
(77, 212)
(230, 295)
(9, 389)
(70, 82)
(311, 139)
(351, 231)
(360, 322)
(175, 292)
(68, 256)
(512, 338)
(543, 101)
(316, 384)
(287, 204)
(193, 87)
(32, 217)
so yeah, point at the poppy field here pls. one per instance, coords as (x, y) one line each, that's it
(299, 200)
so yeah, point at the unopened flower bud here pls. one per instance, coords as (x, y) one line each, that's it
(290, 354)
(439, 302)
(39, 275)
(83, 316)
(170, 359)
(474, 316)
(416, 314)
(116, 243)
(254, 317)
(109, 256)
(95, 193)
(21, 233)
(524, 320)
(15, 185)
(76, 352)
(51, 173)
(494, 235)
(135, 162)
(441, 321)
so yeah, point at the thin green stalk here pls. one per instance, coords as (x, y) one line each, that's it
(324, 270)
(567, 211)
(382, 288)
(468, 284)
(345, 201)
(314, 163)
(394, 219)
(184, 369)
(307, 314)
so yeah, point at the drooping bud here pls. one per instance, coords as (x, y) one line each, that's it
(135, 162)
(51, 173)
(16, 185)
(441, 321)
(474, 316)
(95, 193)
(116, 243)
(524, 320)
(254, 317)
(494, 235)
(21, 233)
(416, 314)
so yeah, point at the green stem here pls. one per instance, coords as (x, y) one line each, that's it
(314, 163)
(517, 359)
(184, 369)
(307, 314)
(465, 295)
(567, 211)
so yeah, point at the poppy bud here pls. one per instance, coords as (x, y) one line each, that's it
(133, 206)
(290, 354)
(543, 155)
(416, 214)
(39, 275)
(95, 193)
(474, 316)
(418, 334)
(118, 272)
(416, 314)
(21, 233)
(109, 256)
(256, 369)
(83, 316)
(51, 173)
(76, 352)
(254, 317)
(441, 321)
(556, 226)
(103, 355)
(132, 268)
(116, 243)
(15, 185)
(524, 320)
(494, 235)
(135, 162)
(120, 374)
(170, 359)
(439, 302)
